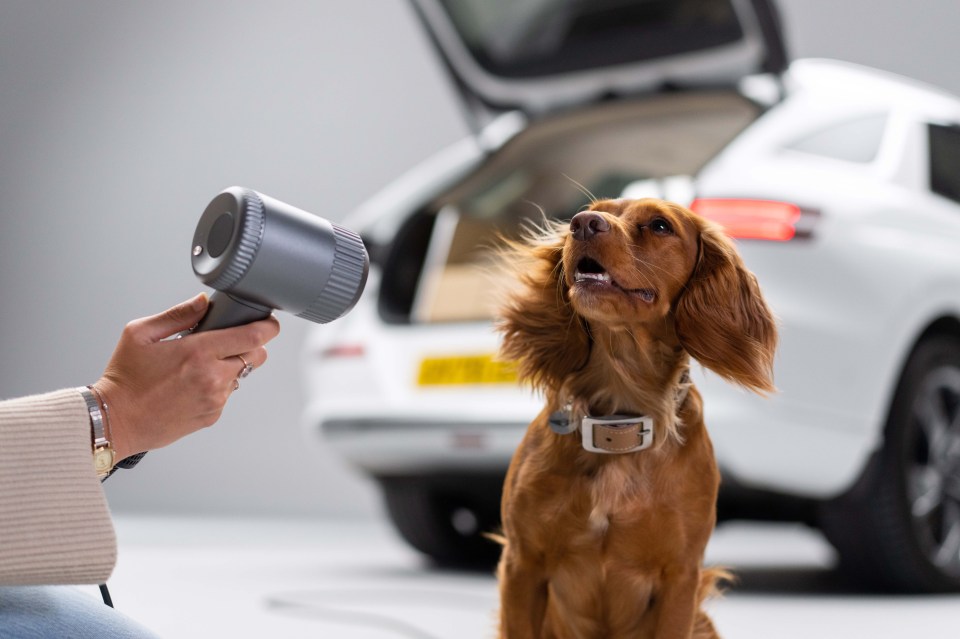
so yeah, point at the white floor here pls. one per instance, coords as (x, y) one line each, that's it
(351, 579)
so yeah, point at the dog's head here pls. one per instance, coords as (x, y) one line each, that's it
(625, 262)
(640, 266)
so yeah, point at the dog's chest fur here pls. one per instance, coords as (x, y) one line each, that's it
(579, 507)
(604, 525)
(613, 488)
(594, 501)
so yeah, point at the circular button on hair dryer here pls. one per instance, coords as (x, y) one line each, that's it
(262, 254)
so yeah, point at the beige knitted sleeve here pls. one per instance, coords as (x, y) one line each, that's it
(55, 527)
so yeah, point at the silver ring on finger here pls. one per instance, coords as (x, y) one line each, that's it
(246, 370)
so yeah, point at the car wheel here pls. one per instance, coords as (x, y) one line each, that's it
(447, 519)
(899, 528)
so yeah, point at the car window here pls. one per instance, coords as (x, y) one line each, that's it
(945, 160)
(852, 141)
(855, 140)
(549, 171)
(529, 38)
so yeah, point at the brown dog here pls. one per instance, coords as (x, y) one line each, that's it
(611, 497)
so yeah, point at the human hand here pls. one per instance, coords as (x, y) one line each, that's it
(159, 390)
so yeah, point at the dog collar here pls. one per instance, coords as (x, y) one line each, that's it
(613, 434)
(610, 434)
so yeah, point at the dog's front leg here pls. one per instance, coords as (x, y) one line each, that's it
(523, 595)
(676, 603)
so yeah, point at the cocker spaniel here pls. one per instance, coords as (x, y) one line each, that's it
(611, 497)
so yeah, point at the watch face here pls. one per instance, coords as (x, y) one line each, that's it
(103, 460)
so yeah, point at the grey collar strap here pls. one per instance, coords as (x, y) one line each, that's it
(613, 434)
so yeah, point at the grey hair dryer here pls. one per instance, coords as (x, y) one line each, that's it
(262, 254)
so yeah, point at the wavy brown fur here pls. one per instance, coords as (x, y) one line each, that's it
(540, 329)
(722, 319)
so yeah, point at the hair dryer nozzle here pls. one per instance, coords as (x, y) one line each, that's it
(264, 254)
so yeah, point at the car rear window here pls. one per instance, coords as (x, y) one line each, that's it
(530, 38)
(945, 160)
(439, 267)
(856, 140)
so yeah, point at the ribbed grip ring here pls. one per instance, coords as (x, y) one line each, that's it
(347, 277)
(251, 234)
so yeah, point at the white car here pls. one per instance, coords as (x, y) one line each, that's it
(842, 187)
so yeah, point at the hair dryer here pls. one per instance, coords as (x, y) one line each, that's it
(262, 254)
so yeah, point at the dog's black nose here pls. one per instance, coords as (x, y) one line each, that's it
(586, 224)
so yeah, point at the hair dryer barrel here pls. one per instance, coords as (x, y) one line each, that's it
(263, 254)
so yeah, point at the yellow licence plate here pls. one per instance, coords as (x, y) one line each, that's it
(465, 369)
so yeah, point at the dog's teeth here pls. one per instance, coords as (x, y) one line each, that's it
(601, 277)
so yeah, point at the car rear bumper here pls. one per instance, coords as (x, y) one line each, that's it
(767, 443)
(401, 446)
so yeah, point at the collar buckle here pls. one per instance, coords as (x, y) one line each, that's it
(617, 433)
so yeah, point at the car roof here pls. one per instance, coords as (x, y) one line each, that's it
(845, 80)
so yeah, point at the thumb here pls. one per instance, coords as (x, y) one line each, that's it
(173, 320)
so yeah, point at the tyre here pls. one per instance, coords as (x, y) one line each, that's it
(447, 518)
(899, 528)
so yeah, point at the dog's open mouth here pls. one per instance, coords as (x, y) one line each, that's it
(591, 273)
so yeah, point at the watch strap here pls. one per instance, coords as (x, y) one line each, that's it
(103, 453)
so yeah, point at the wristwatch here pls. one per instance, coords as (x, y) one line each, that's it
(103, 453)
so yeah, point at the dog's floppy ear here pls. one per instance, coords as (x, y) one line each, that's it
(722, 319)
(540, 331)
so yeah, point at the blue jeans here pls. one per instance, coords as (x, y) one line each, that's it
(55, 612)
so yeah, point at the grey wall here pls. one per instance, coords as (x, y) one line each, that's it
(120, 120)
(917, 39)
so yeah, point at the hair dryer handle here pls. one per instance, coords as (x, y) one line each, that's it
(226, 311)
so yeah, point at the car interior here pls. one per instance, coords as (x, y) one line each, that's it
(550, 171)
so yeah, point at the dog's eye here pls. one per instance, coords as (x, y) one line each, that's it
(660, 226)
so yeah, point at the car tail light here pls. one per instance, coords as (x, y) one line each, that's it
(756, 219)
(343, 351)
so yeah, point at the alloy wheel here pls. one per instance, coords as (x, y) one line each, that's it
(933, 468)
